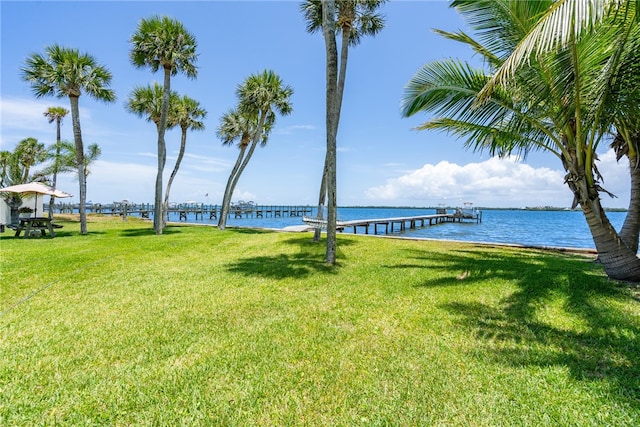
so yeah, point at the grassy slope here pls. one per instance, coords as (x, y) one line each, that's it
(244, 327)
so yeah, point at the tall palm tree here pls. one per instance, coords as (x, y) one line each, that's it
(163, 43)
(55, 114)
(562, 101)
(352, 19)
(188, 115)
(260, 97)
(66, 72)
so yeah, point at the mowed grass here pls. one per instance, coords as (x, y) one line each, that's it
(251, 327)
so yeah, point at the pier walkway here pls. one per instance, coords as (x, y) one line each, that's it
(200, 211)
(392, 225)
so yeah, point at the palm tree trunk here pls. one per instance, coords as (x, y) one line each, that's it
(328, 25)
(618, 261)
(630, 231)
(57, 165)
(321, 200)
(233, 181)
(82, 179)
(158, 215)
(183, 144)
(339, 96)
(228, 192)
(244, 164)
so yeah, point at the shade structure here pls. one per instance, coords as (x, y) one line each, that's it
(34, 188)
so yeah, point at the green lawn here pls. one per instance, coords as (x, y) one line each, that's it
(248, 327)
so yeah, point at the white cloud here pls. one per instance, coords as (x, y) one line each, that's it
(205, 164)
(616, 178)
(24, 118)
(491, 183)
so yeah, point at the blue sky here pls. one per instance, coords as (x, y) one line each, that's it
(381, 159)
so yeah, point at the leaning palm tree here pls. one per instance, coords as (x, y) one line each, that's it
(66, 72)
(352, 19)
(55, 114)
(560, 25)
(163, 43)
(238, 127)
(562, 101)
(260, 97)
(188, 115)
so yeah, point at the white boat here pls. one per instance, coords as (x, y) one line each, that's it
(468, 211)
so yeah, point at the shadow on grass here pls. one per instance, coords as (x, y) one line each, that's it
(59, 234)
(564, 312)
(309, 259)
(137, 232)
(243, 230)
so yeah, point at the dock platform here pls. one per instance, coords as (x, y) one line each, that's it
(392, 225)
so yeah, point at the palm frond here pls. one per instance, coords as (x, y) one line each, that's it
(565, 20)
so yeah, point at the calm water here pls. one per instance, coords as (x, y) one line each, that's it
(537, 228)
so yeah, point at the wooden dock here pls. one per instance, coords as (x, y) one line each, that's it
(200, 211)
(392, 225)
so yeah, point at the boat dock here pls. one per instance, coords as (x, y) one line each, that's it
(399, 224)
(199, 210)
(246, 210)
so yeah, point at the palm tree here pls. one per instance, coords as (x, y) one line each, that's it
(16, 168)
(29, 153)
(163, 43)
(238, 126)
(353, 19)
(55, 114)
(567, 20)
(66, 72)
(563, 101)
(260, 97)
(147, 102)
(63, 159)
(65, 156)
(187, 114)
(65, 153)
(7, 161)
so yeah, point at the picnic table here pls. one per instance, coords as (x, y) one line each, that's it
(41, 224)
